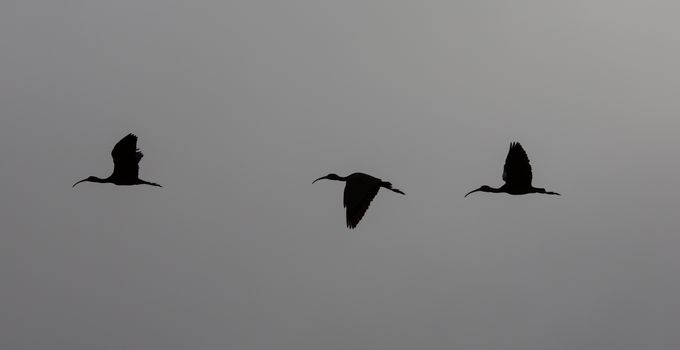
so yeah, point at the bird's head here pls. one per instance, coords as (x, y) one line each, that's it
(484, 188)
(88, 179)
(329, 177)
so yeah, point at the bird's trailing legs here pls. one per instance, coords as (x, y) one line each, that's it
(388, 186)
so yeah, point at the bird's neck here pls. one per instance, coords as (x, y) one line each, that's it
(495, 190)
(338, 178)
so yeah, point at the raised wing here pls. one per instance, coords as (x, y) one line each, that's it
(517, 170)
(360, 189)
(126, 157)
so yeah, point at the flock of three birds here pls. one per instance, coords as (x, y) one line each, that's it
(360, 188)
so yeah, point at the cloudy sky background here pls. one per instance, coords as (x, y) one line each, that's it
(239, 105)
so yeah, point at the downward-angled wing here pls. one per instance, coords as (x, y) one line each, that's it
(360, 189)
(126, 158)
(517, 170)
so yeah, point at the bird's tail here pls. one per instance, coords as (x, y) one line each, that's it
(388, 186)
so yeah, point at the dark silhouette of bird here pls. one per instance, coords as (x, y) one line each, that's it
(360, 189)
(126, 157)
(516, 174)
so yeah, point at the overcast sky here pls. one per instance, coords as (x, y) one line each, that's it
(239, 105)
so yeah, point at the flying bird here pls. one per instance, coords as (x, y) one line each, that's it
(516, 174)
(360, 189)
(126, 157)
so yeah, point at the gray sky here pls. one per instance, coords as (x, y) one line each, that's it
(239, 105)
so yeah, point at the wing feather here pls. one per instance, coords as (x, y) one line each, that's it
(360, 189)
(126, 157)
(517, 169)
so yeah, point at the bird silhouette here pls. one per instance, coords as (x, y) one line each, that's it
(126, 157)
(360, 189)
(516, 174)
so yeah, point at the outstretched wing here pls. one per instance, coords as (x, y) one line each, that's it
(517, 170)
(126, 158)
(360, 189)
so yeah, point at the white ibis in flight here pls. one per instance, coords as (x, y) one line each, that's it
(360, 189)
(516, 174)
(126, 157)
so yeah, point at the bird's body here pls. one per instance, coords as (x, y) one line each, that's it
(516, 174)
(360, 189)
(126, 157)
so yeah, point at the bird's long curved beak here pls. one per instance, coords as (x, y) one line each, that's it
(473, 191)
(321, 178)
(74, 185)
